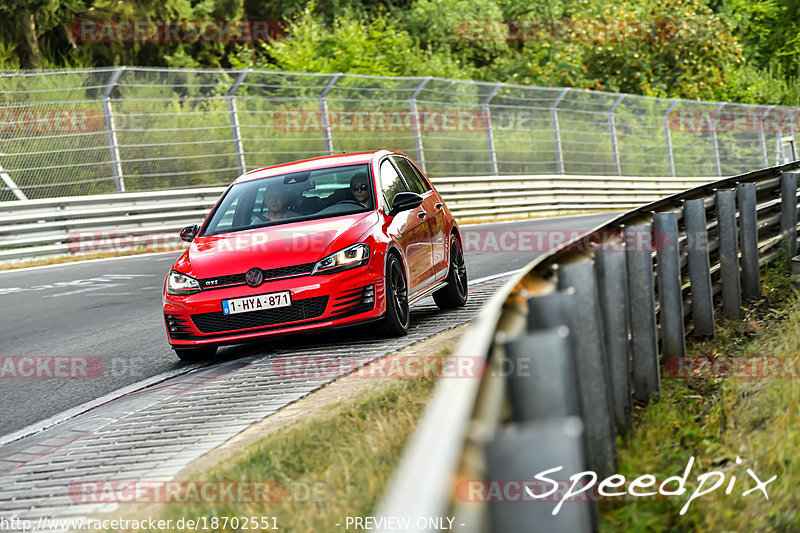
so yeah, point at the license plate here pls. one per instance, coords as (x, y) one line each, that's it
(257, 303)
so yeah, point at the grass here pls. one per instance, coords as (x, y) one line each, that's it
(338, 462)
(718, 420)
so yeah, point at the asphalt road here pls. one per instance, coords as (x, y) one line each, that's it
(111, 311)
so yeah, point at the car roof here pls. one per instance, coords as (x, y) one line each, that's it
(314, 164)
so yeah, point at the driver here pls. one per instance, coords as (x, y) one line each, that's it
(276, 199)
(359, 186)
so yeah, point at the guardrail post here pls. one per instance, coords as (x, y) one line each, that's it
(789, 212)
(233, 116)
(544, 382)
(668, 138)
(715, 141)
(665, 229)
(748, 235)
(323, 109)
(111, 132)
(694, 217)
(487, 114)
(612, 132)
(412, 104)
(521, 451)
(559, 151)
(728, 253)
(644, 343)
(762, 136)
(612, 276)
(593, 375)
(551, 310)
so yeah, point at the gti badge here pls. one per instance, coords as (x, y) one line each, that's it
(254, 277)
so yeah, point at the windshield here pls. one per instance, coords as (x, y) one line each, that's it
(308, 195)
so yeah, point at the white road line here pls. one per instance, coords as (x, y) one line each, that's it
(73, 263)
(85, 289)
(113, 294)
(88, 406)
(494, 276)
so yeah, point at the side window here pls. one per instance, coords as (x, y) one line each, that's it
(391, 182)
(414, 180)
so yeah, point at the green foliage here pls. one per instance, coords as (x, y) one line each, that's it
(375, 48)
(769, 31)
(717, 421)
(671, 48)
(735, 50)
(8, 58)
(753, 85)
(437, 26)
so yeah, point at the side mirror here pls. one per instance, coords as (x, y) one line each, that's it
(189, 232)
(403, 201)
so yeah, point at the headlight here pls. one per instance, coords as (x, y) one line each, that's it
(181, 284)
(351, 257)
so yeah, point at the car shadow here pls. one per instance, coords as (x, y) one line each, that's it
(356, 334)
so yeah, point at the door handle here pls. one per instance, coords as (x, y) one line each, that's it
(422, 214)
(438, 205)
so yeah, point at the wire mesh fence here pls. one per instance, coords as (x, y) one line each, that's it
(104, 130)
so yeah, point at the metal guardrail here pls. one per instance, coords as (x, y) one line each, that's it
(117, 129)
(597, 318)
(98, 223)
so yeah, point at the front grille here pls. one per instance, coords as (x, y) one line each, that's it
(299, 310)
(210, 283)
(237, 279)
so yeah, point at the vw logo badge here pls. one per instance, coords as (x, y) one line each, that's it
(254, 277)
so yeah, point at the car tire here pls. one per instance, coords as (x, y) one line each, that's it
(456, 292)
(396, 321)
(195, 354)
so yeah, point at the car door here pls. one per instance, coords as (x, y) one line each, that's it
(409, 228)
(435, 215)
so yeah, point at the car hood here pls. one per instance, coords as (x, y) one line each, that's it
(272, 247)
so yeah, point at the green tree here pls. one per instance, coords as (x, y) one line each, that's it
(376, 48)
(25, 25)
(669, 48)
(438, 26)
(769, 30)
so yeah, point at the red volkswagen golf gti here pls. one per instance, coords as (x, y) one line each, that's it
(321, 243)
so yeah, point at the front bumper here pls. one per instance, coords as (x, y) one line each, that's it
(318, 302)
